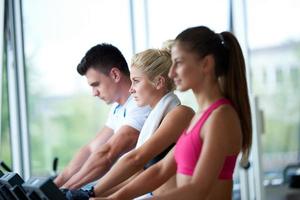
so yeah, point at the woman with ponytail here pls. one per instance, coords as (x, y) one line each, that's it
(204, 158)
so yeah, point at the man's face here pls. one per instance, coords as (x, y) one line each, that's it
(103, 86)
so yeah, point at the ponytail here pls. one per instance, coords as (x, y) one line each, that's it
(234, 86)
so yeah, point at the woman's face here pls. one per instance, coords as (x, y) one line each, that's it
(142, 89)
(186, 68)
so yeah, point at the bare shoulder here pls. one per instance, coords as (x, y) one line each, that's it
(224, 125)
(180, 113)
(226, 115)
(182, 110)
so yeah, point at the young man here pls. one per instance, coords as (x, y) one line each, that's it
(107, 73)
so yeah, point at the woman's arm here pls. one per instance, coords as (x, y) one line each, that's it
(221, 137)
(149, 180)
(167, 133)
(118, 187)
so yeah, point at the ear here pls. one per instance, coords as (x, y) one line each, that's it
(115, 74)
(207, 63)
(159, 82)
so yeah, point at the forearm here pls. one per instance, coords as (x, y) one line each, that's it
(95, 167)
(73, 167)
(190, 191)
(146, 182)
(114, 189)
(121, 171)
(118, 187)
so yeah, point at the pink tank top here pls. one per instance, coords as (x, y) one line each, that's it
(189, 145)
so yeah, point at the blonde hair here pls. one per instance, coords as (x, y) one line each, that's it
(154, 63)
(167, 45)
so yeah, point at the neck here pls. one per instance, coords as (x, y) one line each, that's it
(123, 90)
(157, 97)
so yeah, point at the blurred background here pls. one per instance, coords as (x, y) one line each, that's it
(47, 108)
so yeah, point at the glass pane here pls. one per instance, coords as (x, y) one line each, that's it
(62, 113)
(5, 150)
(173, 16)
(165, 22)
(275, 68)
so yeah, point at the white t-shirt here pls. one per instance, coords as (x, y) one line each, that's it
(128, 114)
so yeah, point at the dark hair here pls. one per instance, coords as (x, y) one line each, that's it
(229, 69)
(103, 57)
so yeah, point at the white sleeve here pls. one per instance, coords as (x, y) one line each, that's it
(136, 116)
